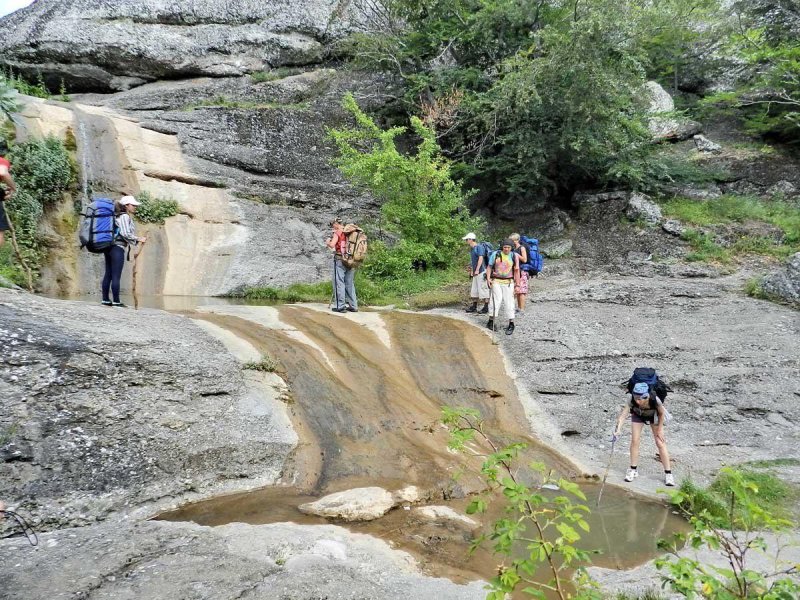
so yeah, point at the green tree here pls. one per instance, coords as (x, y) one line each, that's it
(547, 527)
(421, 202)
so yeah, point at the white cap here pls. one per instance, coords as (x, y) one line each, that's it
(470, 236)
(129, 200)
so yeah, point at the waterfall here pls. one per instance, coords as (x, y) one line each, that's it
(86, 165)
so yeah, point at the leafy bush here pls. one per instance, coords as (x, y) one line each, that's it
(43, 171)
(23, 86)
(729, 518)
(155, 210)
(420, 200)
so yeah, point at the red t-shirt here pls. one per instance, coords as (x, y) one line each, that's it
(7, 165)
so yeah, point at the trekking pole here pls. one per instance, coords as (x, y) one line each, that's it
(608, 466)
(135, 270)
(29, 532)
(21, 260)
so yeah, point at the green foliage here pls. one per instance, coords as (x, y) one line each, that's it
(738, 501)
(43, 171)
(267, 364)
(416, 290)
(547, 526)
(737, 209)
(763, 36)
(754, 288)
(23, 86)
(540, 97)
(420, 200)
(155, 210)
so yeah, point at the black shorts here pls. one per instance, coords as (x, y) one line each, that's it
(4, 226)
(646, 420)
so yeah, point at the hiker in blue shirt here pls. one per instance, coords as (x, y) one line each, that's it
(479, 258)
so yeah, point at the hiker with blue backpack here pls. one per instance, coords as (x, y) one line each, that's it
(108, 229)
(520, 288)
(479, 259)
(646, 407)
(530, 265)
(501, 276)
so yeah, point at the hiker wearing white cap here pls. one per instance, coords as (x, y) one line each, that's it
(645, 408)
(124, 238)
(479, 258)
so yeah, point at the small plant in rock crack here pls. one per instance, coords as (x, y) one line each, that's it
(267, 364)
(539, 529)
(741, 536)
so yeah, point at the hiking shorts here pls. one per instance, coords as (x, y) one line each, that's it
(522, 287)
(647, 421)
(4, 226)
(480, 289)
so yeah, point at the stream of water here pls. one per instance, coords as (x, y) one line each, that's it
(366, 397)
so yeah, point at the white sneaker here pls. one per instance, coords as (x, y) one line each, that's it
(632, 474)
(669, 479)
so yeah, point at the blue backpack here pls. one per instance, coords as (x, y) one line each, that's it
(535, 261)
(98, 228)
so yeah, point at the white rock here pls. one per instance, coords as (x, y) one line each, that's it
(444, 513)
(410, 493)
(358, 504)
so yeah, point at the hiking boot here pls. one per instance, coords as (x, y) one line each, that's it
(510, 328)
(106, 303)
(490, 325)
(339, 310)
(669, 479)
(119, 304)
(484, 310)
(473, 308)
(351, 309)
(632, 474)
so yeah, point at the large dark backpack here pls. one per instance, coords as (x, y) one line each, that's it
(98, 228)
(535, 260)
(650, 377)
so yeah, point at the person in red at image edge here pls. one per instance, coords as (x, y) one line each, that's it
(5, 193)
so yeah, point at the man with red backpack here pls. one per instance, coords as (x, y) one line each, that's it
(344, 286)
(7, 193)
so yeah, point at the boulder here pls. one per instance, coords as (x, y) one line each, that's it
(703, 144)
(640, 207)
(445, 513)
(357, 504)
(557, 248)
(674, 227)
(106, 46)
(663, 125)
(782, 188)
(784, 284)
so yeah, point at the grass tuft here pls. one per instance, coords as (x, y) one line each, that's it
(267, 364)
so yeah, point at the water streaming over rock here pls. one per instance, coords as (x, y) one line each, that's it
(365, 394)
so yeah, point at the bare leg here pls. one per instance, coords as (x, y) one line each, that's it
(661, 444)
(636, 436)
(521, 301)
(2, 236)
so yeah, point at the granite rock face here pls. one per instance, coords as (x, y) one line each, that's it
(97, 45)
(108, 409)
